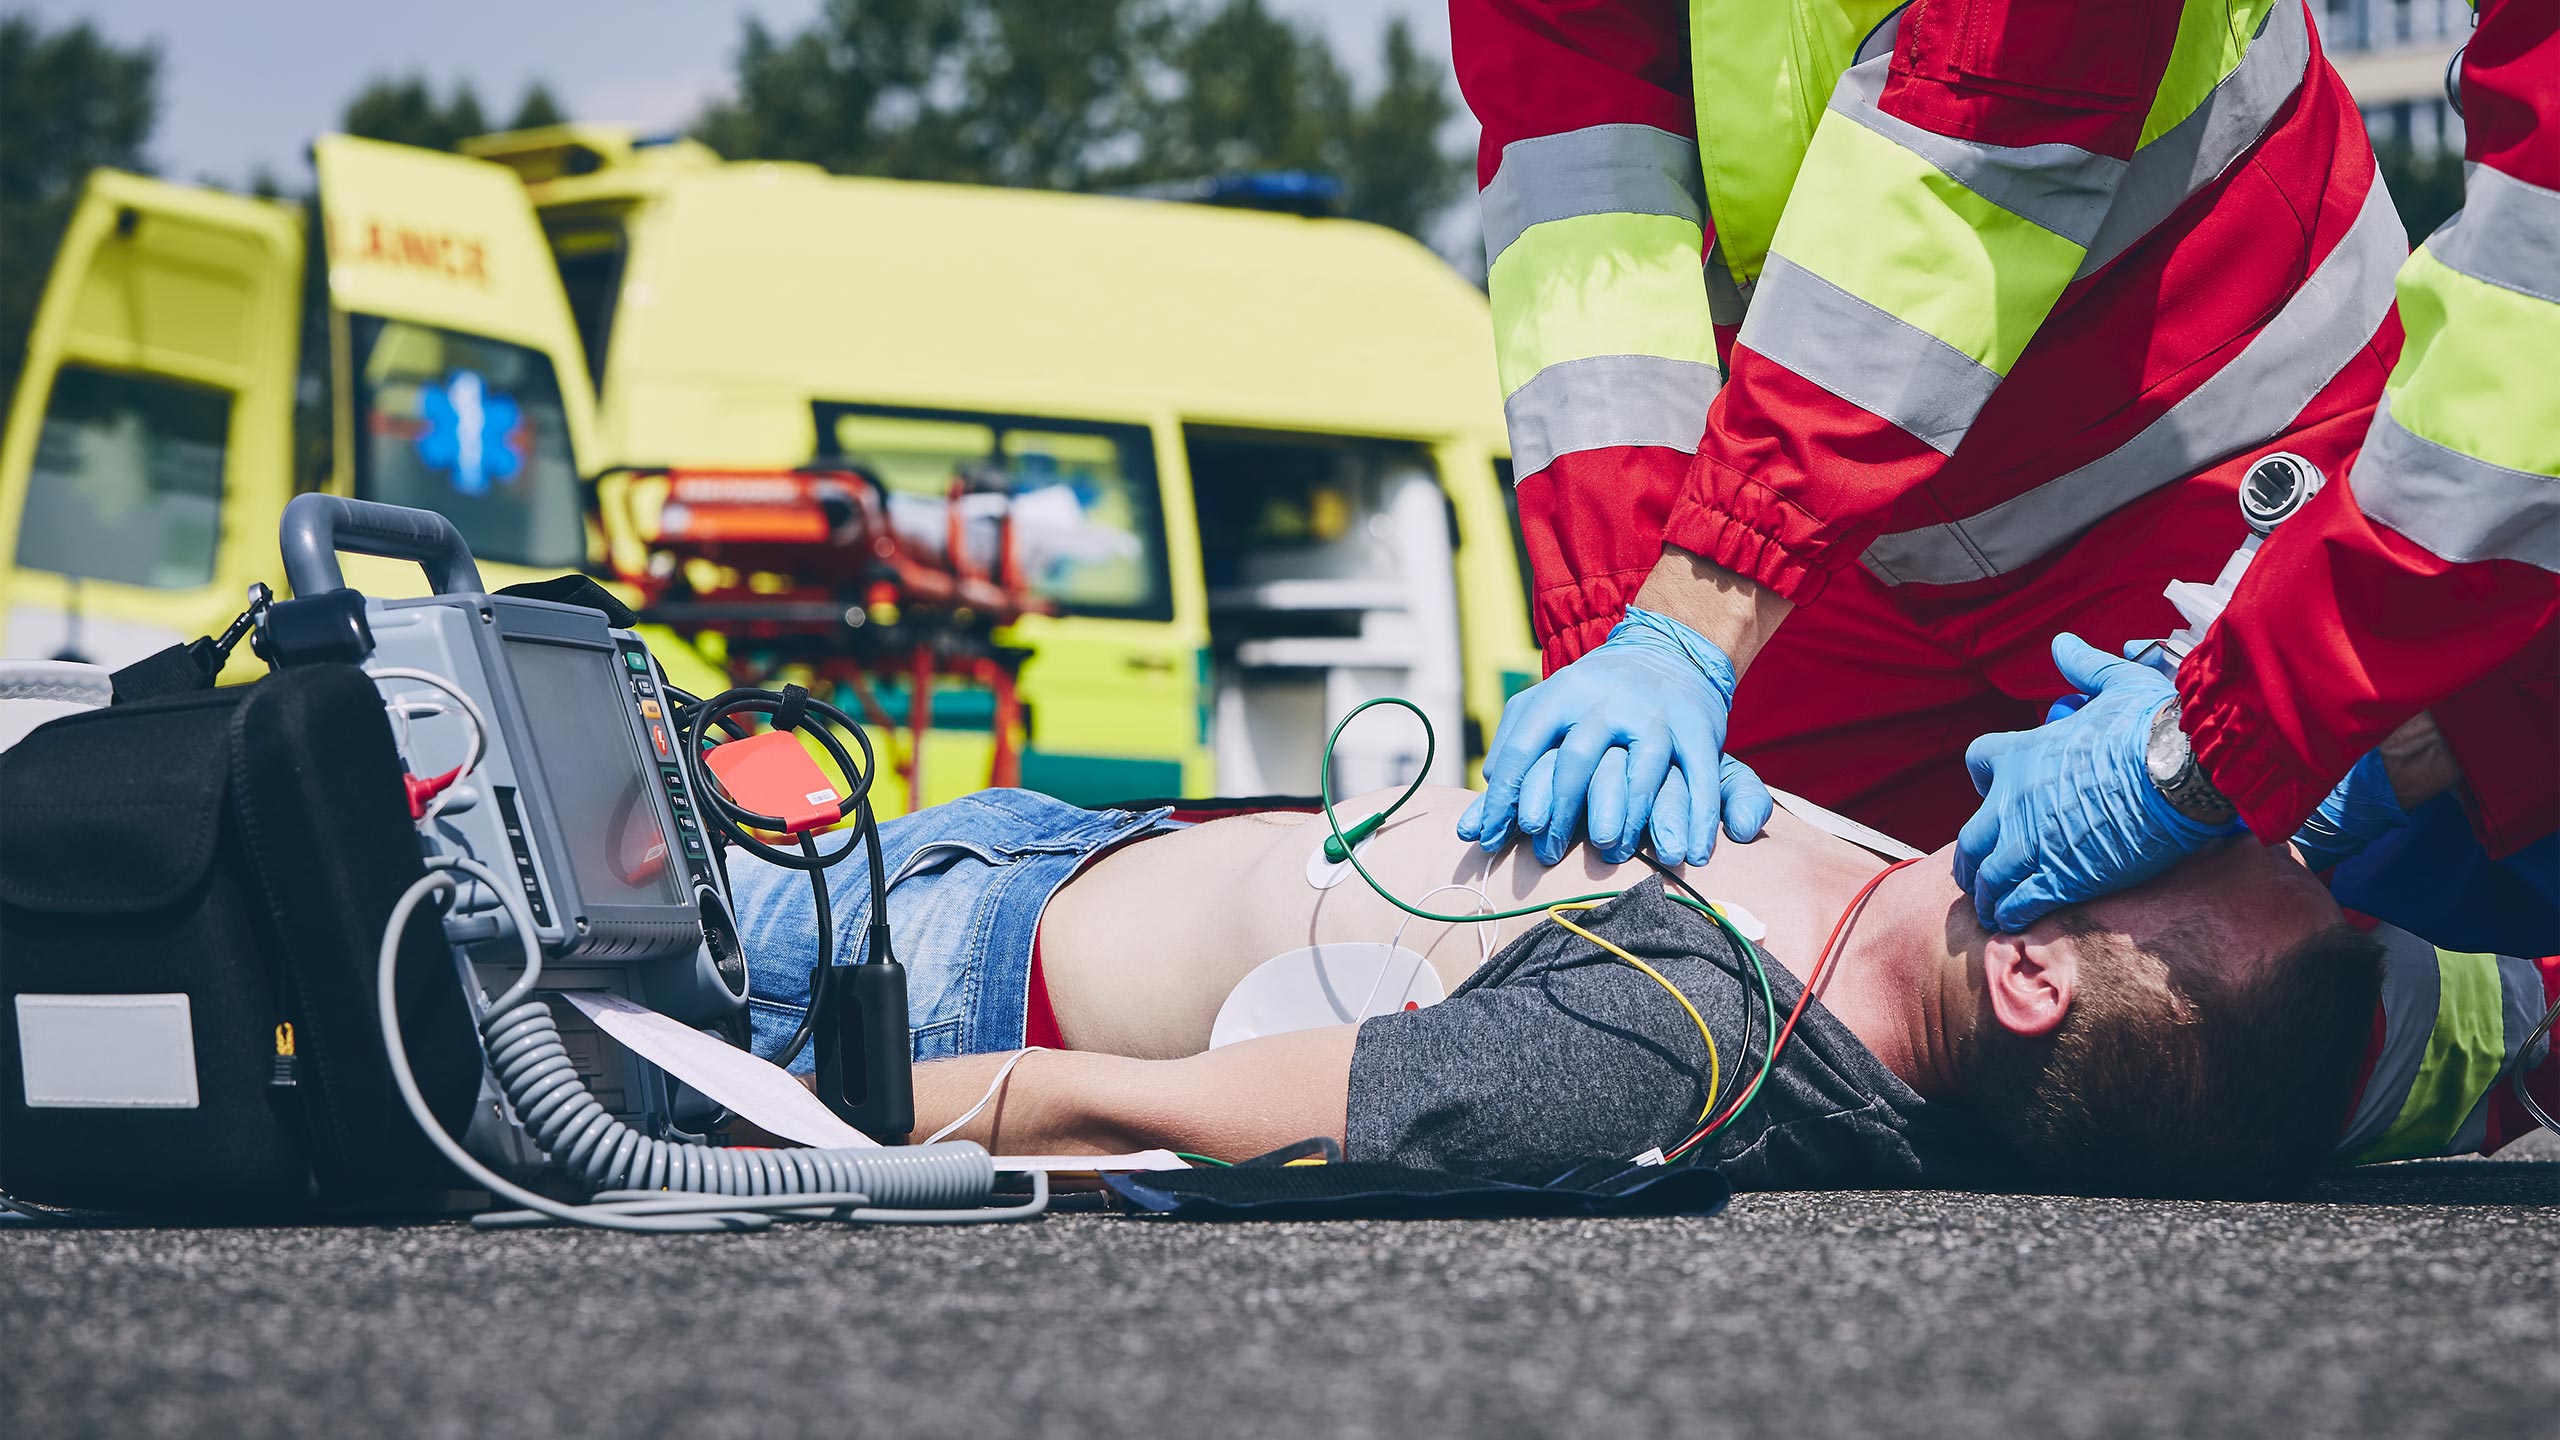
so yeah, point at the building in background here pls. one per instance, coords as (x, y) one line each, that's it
(2395, 55)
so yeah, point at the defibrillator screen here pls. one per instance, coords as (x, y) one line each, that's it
(598, 780)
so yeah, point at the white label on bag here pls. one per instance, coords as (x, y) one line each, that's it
(107, 1052)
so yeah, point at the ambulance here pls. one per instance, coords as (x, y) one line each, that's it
(1282, 435)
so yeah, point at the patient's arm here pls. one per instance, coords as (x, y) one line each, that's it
(1231, 1103)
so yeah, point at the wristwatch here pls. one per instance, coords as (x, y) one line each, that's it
(2171, 762)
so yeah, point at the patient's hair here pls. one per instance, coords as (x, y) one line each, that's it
(2183, 1069)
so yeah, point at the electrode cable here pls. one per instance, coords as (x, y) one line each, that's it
(1344, 846)
(1831, 950)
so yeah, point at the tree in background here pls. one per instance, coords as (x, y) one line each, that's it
(404, 109)
(2425, 183)
(70, 100)
(1089, 95)
(1399, 174)
(1254, 91)
(1026, 92)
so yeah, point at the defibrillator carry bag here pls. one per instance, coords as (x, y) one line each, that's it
(193, 890)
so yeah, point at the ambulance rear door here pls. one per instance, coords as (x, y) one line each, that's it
(460, 384)
(148, 453)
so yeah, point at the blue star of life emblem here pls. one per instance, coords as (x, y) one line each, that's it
(470, 433)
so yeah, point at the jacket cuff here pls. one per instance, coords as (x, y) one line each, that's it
(1576, 617)
(1731, 520)
(2274, 788)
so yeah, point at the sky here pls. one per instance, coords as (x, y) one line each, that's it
(247, 83)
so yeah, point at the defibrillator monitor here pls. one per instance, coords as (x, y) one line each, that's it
(579, 792)
(598, 781)
(582, 795)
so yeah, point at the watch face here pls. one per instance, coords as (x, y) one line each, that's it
(2164, 757)
(2276, 487)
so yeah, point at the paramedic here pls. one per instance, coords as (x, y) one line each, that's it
(2022, 288)
(2420, 585)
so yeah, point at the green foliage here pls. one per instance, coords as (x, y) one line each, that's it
(2425, 184)
(404, 109)
(538, 107)
(1014, 92)
(1398, 173)
(1088, 95)
(70, 100)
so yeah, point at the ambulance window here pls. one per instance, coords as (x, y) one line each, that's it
(127, 480)
(1089, 520)
(472, 428)
(590, 258)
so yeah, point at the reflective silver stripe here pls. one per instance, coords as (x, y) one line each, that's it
(1598, 170)
(2061, 187)
(2521, 981)
(1608, 400)
(2412, 988)
(1882, 364)
(2507, 235)
(2475, 1126)
(1728, 302)
(2242, 405)
(2196, 151)
(2458, 506)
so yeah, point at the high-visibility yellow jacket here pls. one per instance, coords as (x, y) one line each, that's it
(2449, 1036)
(1800, 286)
(2428, 578)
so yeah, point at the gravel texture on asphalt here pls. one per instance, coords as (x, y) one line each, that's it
(2409, 1301)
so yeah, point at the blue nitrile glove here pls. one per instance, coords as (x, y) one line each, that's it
(2363, 809)
(2072, 699)
(2069, 812)
(1621, 736)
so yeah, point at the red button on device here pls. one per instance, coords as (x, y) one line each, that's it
(658, 737)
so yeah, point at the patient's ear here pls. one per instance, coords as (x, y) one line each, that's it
(2031, 978)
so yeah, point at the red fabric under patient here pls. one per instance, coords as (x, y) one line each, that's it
(1039, 1018)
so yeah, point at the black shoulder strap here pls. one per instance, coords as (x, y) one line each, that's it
(178, 670)
(578, 590)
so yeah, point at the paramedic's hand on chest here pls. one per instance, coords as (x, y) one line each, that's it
(1630, 737)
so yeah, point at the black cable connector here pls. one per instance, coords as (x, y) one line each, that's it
(857, 1014)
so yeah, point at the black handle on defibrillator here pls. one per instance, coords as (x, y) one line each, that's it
(317, 527)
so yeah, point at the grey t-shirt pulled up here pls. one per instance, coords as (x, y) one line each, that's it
(1557, 1054)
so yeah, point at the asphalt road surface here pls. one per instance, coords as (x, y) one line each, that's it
(2411, 1301)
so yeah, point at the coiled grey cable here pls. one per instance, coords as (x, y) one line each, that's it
(715, 1188)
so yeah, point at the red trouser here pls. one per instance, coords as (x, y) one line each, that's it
(1866, 699)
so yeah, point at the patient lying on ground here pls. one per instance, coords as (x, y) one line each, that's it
(2200, 1034)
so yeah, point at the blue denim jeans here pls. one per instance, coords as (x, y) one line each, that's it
(967, 883)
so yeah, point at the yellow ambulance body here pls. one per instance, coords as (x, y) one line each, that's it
(1269, 409)
(185, 377)
(1282, 435)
